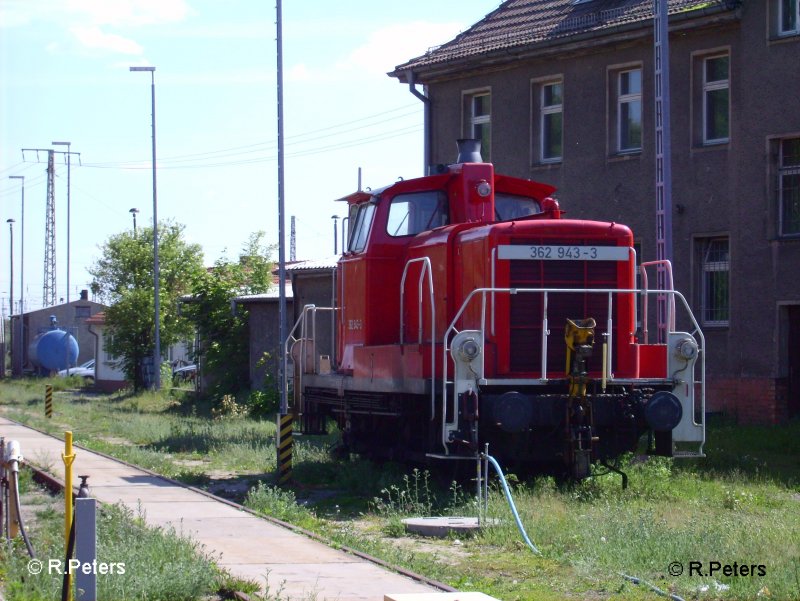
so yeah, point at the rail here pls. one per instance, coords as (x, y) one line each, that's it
(426, 269)
(303, 324)
(667, 267)
(449, 401)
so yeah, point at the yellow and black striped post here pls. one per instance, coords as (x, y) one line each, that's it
(48, 401)
(285, 426)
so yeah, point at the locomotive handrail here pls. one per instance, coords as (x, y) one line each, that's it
(302, 322)
(666, 265)
(426, 269)
(483, 292)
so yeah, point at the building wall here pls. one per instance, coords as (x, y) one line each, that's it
(265, 338)
(71, 317)
(726, 189)
(316, 288)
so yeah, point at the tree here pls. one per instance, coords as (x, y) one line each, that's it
(123, 278)
(223, 332)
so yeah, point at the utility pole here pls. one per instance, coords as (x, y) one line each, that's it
(69, 208)
(292, 242)
(21, 246)
(284, 408)
(49, 293)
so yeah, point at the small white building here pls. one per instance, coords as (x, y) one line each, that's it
(109, 378)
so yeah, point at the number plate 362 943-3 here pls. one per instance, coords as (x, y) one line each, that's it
(562, 253)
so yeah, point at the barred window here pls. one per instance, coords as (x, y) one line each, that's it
(789, 187)
(714, 281)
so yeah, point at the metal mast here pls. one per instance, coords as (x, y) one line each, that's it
(284, 408)
(292, 242)
(663, 155)
(49, 289)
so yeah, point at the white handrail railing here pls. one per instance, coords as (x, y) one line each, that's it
(426, 269)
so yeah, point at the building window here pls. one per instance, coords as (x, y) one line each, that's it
(788, 17)
(789, 186)
(552, 121)
(716, 99)
(714, 263)
(629, 110)
(479, 121)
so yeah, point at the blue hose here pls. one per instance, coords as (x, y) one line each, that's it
(632, 579)
(511, 504)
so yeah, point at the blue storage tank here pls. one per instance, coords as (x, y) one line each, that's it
(54, 350)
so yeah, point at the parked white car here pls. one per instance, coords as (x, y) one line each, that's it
(85, 371)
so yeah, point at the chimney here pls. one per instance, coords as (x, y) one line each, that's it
(84, 295)
(469, 151)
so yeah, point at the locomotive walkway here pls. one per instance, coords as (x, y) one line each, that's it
(247, 546)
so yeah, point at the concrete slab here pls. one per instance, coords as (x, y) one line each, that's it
(439, 597)
(247, 546)
(442, 526)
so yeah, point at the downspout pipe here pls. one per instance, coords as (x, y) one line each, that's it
(426, 120)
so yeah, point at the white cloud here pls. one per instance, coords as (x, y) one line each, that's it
(396, 44)
(94, 38)
(298, 73)
(127, 13)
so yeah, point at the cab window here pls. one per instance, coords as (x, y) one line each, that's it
(410, 214)
(361, 224)
(513, 206)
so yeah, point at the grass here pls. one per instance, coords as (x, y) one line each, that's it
(739, 505)
(150, 563)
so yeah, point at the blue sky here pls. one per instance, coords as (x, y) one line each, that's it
(64, 77)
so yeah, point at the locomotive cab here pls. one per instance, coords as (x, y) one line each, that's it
(457, 299)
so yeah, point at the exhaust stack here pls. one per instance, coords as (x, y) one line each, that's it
(469, 151)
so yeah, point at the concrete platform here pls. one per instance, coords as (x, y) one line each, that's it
(443, 526)
(247, 546)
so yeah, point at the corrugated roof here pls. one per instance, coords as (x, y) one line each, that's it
(518, 23)
(271, 295)
(327, 263)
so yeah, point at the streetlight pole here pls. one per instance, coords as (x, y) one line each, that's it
(69, 212)
(21, 246)
(157, 346)
(133, 213)
(10, 223)
(336, 235)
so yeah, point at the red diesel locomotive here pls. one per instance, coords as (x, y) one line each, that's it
(469, 312)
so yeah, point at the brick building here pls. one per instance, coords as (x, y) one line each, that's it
(561, 91)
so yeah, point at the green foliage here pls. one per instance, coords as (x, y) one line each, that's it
(280, 504)
(158, 563)
(123, 277)
(224, 352)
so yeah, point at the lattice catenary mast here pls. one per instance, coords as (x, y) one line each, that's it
(663, 154)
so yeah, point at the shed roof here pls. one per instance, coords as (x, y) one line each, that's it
(519, 23)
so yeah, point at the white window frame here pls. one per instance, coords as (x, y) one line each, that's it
(783, 171)
(715, 86)
(793, 5)
(630, 98)
(544, 111)
(474, 120)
